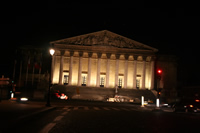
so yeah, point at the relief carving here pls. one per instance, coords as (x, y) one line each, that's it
(104, 38)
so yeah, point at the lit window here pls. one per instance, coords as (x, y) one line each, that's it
(83, 80)
(120, 83)
(102, 80)
(137, 83)
(66, 79)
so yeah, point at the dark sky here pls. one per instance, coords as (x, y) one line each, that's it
(173, 28)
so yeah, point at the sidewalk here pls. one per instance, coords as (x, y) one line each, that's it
(153, 108)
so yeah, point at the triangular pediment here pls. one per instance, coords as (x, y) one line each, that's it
(104, 38)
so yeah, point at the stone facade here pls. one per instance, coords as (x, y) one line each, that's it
(103, 59)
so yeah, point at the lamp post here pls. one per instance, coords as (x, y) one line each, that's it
(51, 51)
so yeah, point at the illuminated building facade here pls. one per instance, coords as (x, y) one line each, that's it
(103, 59)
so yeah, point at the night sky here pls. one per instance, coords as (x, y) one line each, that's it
(173, 28)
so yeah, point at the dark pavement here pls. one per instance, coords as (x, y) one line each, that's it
(78, 116)
(11, 111)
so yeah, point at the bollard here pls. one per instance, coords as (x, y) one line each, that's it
(12, 95)
(157, 103)
(142, 101)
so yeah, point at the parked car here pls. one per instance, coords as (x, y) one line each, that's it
(59, 95)
(187, 105)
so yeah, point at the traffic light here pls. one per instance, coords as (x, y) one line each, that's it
(159, 92)
(159, 73)
(158, 76)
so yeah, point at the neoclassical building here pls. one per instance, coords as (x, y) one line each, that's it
(103, 59)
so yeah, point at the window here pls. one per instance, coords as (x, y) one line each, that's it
(137, 83)
(83, 80)
(120, 83)
(102, 80)
(66, 79)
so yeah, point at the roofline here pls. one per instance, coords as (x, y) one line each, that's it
(131, 40)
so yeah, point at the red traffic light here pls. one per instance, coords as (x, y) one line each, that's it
(159, 71)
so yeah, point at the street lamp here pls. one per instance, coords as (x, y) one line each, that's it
(51, 51)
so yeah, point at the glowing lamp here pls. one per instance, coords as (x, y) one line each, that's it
(23, 99)
(52, 51)
(197, 100)
(159, 71)
(191, 106)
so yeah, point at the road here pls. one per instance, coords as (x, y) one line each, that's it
(123, 119)
(90, 117)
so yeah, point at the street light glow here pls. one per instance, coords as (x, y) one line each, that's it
(52, 51)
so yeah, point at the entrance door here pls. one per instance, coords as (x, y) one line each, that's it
(84, 80)
(66, 79)
(102, 80)
(120, 83)
(137, 83)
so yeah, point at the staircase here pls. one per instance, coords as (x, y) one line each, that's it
(101, 94)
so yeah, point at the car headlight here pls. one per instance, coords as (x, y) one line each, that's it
(23, 99)
(191, 106)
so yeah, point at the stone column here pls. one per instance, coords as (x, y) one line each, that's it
(89, 68)
(134, 71)
(144, 72)
(70, 67)
(98, 69)
(125, 71)
(62, 52)
(152, 72)
(80, 68)
(107, 70)
(117, 69)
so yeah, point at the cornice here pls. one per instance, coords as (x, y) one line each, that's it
(103, 49)
(104, 39)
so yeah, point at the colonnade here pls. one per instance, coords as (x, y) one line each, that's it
(107, 85)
